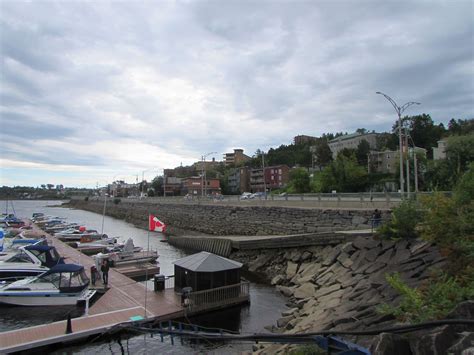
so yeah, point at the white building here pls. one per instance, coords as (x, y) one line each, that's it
(440, 151)
(351, 141)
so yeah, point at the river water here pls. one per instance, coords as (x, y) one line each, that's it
(266, 304)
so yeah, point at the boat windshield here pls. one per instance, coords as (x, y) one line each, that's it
(65, 280)
(20, 257)
(49, 257)
(55, 279)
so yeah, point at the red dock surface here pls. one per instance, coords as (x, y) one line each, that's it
(124, 298)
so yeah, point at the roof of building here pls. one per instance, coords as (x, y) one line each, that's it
(350, 136)
(207, 262)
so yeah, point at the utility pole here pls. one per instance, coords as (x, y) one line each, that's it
(399, 111)
(264, 179)
(407, 163)
(164, 183)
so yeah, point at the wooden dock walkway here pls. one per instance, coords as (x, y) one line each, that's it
(125, 300)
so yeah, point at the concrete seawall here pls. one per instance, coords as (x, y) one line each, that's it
(233, 220)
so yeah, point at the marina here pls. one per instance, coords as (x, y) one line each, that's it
(122, 301)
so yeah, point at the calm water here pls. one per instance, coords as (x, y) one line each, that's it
(265, 307)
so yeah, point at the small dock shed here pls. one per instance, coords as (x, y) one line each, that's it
(205, 271)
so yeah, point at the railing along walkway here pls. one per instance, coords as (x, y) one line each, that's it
(218, 297)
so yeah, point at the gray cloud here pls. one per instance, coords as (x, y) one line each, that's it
(175, 80)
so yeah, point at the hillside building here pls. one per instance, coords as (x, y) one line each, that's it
(351, 141)
(236, 158)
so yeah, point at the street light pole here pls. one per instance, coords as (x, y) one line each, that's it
(399, 111)
(203, 175)
(407, 163)
(264, 182)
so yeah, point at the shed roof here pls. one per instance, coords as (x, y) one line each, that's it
(207, 262)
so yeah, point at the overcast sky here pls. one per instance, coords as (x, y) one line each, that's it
(96, 91)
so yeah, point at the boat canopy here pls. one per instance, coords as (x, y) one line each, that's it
(63, 268)
(66, 277)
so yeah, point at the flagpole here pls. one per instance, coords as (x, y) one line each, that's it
(146, 267)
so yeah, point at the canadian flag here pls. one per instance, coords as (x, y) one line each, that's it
(155, 225)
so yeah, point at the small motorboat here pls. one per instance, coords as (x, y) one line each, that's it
(26, 261)
(127, 254)
(74, 234)
(62, 285)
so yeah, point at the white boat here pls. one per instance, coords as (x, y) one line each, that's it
(62, 227)
(128, 254)
(73, 234)
(29, 260)
(62, 285)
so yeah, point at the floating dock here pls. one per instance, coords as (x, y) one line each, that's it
(124, 301)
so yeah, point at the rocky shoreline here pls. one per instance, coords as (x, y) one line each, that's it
(340, 288)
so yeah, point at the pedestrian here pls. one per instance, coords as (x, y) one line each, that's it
(105, 271)
(376, 218)
(93, 274)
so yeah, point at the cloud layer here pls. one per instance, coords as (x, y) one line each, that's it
(93, 90)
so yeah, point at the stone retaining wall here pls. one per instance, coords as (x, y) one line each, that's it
(340, 287)
(231, 220)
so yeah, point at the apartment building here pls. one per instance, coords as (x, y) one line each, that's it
(301, 139)
(384, 162)
(272, 177)
(351, 141)
(236, 158)
(239, 180)
(387, 162)
(197, 186)
(172, 186)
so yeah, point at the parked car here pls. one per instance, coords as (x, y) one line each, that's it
(256, 195)
(245, 196)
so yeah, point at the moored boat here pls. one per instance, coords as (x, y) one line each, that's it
(27, 261)
(63, 284)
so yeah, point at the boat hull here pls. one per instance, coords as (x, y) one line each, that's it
(40, 299)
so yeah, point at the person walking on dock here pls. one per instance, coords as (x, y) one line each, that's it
(105, 271)
(94, 273)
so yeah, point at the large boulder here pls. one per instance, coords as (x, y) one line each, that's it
(304, 291)
(291, 269)
(277, 280)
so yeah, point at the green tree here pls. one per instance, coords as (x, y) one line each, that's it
(423, 131)
(322, 152)
(343, 175)
(299, 181)
(461, 127)
(460, 150)
(386, 141)
(443, 174)
(363, 149)
(157, 185)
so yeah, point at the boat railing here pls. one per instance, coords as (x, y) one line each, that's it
(218, 297)
(169, 281)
